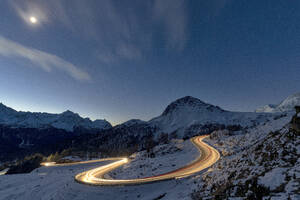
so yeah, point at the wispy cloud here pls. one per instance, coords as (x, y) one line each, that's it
(44, 11)
(28, 10)
(119, 31)
(41, 59)
(129, 51)
(172, 13)
(107, 57)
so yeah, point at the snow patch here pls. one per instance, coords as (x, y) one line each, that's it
(273, 179)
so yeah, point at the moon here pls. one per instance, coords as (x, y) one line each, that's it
(33, 20)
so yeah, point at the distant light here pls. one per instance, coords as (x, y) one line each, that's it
(47, 164)
(33, 20)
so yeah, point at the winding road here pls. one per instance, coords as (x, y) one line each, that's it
(208, 156)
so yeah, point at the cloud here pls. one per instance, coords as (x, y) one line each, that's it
(107, 57)
(128, 51)
(45, 11)
(172, 13)
(25, 11)
(41, 59)
(119, 32)
(125, 51)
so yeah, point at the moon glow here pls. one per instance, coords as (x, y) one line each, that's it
(33, 20)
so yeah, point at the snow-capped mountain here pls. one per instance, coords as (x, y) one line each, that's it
(286, 105)
(267, 108)
(66, 120)
(183, 118)
(189, 112)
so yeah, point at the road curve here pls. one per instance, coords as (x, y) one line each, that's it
(208, 157)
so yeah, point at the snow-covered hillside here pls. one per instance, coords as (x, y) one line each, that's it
(66, 120)
(286, 105)
(261, 162)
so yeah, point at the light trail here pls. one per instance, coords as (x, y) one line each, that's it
(54, 164)
(208, 156)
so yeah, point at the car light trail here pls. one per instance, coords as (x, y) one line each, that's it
(208, 156)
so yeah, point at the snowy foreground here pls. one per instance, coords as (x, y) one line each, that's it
(58, 182)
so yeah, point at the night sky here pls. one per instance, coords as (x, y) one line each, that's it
(120, 60)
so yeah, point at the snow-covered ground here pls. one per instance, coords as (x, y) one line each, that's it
(168, 157)
(58, 182)
(273, 179)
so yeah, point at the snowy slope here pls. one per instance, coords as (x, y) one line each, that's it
(263, 161)
(66, 120)
(168, 157)
(286, 105)
(58, 182)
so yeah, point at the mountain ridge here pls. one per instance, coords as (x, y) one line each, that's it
(66, 120)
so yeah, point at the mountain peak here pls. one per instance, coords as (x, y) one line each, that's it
(68, 113)
(6, 109)
(187, 101)
(2, 105)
